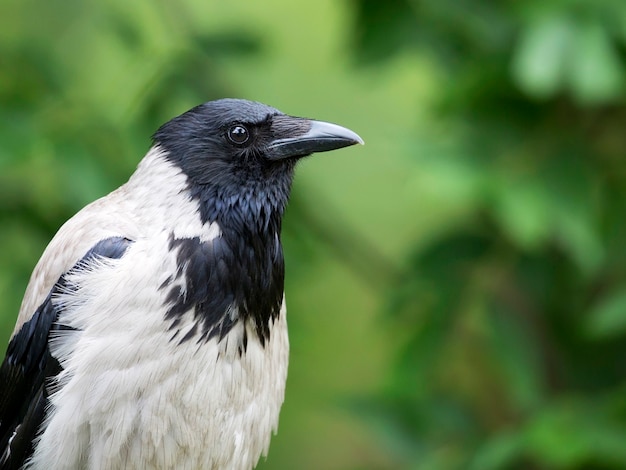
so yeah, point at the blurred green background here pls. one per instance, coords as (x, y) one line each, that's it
(457, 287)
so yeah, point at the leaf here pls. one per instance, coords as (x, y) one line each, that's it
(578, 233)
(522, 209)
(539, 60)
(573, 434)
(595, 70)
(516, 352)
(498, 452)
(608, 317)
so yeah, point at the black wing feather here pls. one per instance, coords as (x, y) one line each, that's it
(28, 363)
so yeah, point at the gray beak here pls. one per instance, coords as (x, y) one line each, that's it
(297, 137)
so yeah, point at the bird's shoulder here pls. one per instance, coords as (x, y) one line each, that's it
(104, 218)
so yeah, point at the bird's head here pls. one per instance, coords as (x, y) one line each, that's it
(238, 157)
(233, 144)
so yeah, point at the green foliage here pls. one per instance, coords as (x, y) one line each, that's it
(516, 356)
(503, 339)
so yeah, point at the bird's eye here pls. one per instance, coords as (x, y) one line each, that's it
(238, 134)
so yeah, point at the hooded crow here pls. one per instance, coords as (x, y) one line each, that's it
(153, 333)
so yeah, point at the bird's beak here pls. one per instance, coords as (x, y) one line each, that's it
(298, 137)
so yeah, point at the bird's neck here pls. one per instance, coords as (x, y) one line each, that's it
(226, 241)
(251, 224)
(252, 268)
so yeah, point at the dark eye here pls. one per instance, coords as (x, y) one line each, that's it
(238, 134)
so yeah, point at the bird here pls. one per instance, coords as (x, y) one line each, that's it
(153, 332)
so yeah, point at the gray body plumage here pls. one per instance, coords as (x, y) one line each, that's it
(153, 331)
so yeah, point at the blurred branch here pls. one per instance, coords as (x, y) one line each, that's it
(343, 240)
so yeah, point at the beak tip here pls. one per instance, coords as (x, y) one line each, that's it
(337, 132)
(320, 137)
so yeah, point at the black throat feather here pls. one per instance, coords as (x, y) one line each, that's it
(238, 276)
